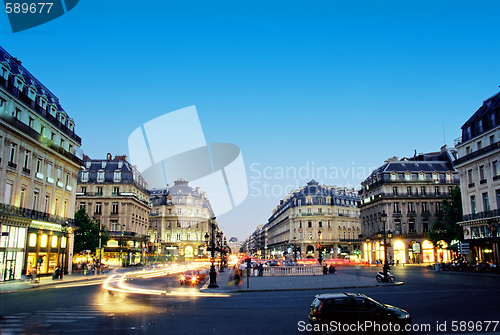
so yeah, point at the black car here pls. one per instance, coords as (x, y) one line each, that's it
(355, 313)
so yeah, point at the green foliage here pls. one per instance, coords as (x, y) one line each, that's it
(87, 234)
(446, 228)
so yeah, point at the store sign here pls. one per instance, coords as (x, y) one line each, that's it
(112, 243)
(416, 248)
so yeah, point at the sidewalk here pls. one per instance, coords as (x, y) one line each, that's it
(292, 283)
(21, 285)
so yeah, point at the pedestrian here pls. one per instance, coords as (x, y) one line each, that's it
(237, 276)
(261, 270)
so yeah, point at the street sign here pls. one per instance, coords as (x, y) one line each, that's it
(463, 248)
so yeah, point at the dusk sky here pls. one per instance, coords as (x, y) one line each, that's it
(337, 85)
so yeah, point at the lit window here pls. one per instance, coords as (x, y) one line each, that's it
(32, 242)
(54, 242)
(63, 242)
(43, 242)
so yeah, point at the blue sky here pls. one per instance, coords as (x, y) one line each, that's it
(336, 84)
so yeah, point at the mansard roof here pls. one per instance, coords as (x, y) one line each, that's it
(128, 174)
(340, 196)
(489, 105)
(181, 189)
(20, 71)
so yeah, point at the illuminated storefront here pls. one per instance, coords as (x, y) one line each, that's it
(443, 255)
(427, 252)
(414, 252)
(399, 252)
(12, 252)
(47, 247)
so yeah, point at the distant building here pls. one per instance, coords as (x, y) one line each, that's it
(478, 163)
(312, 220)
(410, 191)
(179, 221)
(234, 245)
(39, 162)
(114, 193)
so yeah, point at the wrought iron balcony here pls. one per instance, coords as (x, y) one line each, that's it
(34, 214)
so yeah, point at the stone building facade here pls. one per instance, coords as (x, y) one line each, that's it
(39, 163)
(410, 191)
(312, 220)
(179, 220)
(115, 194)
(478, 163)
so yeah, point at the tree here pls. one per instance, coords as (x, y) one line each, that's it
(446, 228)
(87, 234)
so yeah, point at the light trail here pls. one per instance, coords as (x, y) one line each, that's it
(122, 286)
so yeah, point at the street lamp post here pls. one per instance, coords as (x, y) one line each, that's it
(221, 251)
(383, 218)
(320, 250)
(295, 249)
(65, 230)
(210, 240)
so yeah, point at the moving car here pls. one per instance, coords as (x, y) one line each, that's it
(192, 277)
(337, 311)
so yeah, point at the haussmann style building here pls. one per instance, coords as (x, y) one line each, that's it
(478, 163)
(114, 193)
(410, 191)
(179, 220)
(39, 163)
(315, 219)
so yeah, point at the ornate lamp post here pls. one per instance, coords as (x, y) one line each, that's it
(383, 218)
(210, 241)
(65, 229)
(101, 232)
(223, 252)
(320, 248)
(295, 249)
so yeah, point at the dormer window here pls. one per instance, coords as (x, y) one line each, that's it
(31, 94)
(88, 164)
(103, 165)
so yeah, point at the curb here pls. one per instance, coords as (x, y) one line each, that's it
(321, 288)
(205, 288)
(34, 286)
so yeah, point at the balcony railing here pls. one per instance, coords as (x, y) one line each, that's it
(34, 214)
(472, 155)
(481, 215)
(31, 104)
(35, 135)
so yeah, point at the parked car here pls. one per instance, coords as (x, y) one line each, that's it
(192, 277)
(289, 263)
(350, 308)
(273, 263)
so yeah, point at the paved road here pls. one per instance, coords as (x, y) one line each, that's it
(431, 297)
